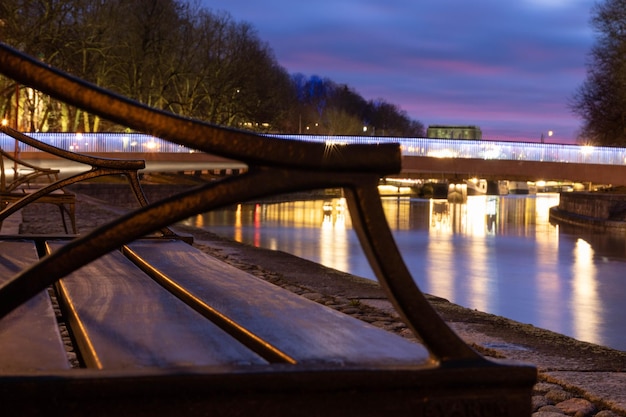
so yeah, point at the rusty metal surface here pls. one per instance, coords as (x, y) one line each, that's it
(275, 390)
(276, 166)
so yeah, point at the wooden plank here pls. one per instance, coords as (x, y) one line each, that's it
(305, 330)
(29, 336)
(122, 319)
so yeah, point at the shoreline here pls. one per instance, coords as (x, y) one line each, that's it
(593, 210)
(585, 370)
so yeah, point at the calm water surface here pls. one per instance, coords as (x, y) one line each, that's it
(496, 254)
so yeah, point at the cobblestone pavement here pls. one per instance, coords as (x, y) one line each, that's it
(575, 378)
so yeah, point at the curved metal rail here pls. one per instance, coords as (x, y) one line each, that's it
(99, 167)
(19, 180)
(276, 166)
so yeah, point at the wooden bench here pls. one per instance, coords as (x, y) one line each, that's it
(164, 329)
(25, 181)
(18, 193)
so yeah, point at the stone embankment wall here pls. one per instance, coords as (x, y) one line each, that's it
(121, 195)
(595, 209)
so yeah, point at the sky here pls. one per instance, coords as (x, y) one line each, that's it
(508, 67)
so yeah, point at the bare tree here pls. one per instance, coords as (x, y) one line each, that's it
(145, 48)
(40, 28)
(340, 122)
(601, 100)
(389, 120)
(174, 55)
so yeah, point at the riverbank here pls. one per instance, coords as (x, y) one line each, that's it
(604, 211)
(572, 373)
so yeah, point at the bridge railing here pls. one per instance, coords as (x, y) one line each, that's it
(98, 143)
(442, 148)
(487, 149)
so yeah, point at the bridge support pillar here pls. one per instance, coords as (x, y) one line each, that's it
(457, 193)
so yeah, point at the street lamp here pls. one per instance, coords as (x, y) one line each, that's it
(550, 133)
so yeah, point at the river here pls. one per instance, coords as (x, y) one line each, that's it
(497, 254)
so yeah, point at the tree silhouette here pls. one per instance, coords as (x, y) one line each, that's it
(178, 57)
(601, 99)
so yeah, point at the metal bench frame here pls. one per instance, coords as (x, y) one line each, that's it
(275, 166)
(21, 185)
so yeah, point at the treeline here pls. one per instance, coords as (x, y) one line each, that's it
(181, 58)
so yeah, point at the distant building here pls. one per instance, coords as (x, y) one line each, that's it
(454, 132)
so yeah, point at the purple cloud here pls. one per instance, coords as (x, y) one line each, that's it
(508, 67)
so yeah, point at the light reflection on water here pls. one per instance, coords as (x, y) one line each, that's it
(495, 254)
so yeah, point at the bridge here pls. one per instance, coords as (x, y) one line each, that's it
(422, 158)
(450, 159)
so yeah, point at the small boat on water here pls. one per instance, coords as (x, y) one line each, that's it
(476, 186)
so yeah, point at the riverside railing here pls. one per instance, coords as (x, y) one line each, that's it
(98, 143)
(485, 149)
(441, 148)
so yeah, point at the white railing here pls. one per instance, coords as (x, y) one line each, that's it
(444, 148)
(98, 143)
(486, 149)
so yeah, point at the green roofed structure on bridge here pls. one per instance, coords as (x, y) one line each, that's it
(454, 132)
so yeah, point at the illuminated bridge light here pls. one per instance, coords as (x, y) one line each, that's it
(436, 148)
(587, 149)
(443, 153)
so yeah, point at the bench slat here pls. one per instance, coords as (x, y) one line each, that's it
(123, 319)
(303, 329)
(29, 336)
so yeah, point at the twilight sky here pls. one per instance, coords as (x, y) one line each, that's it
(509, 67)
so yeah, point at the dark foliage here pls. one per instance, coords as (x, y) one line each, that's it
(601, 100)
(180, 58)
